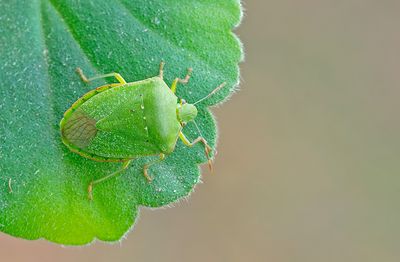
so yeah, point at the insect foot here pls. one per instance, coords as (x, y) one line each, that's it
(146, 167)
(208, 149)
(81, 75)
(10, 190)
(146, 174)
(90, 191)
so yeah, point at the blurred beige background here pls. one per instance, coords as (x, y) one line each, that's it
(308, 166)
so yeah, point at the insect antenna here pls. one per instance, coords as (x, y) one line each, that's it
(211, 93)
(197, 127)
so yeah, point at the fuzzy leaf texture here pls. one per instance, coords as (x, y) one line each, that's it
(43, 186)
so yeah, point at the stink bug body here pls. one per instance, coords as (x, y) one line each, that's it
(123, 121)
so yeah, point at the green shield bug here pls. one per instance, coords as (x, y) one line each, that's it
(122, 121)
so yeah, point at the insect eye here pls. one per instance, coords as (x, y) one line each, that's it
(183, 101)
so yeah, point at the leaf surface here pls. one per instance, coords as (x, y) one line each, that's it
(43, 186)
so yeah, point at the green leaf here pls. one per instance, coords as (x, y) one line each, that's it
(43, 186)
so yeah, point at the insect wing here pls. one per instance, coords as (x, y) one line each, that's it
(79, 129)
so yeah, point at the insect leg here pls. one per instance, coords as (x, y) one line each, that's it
(146, 167)
(201, 139)
(10, 190)
(182, 81)
(161, 74)
(95, 182)
(87, 80)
